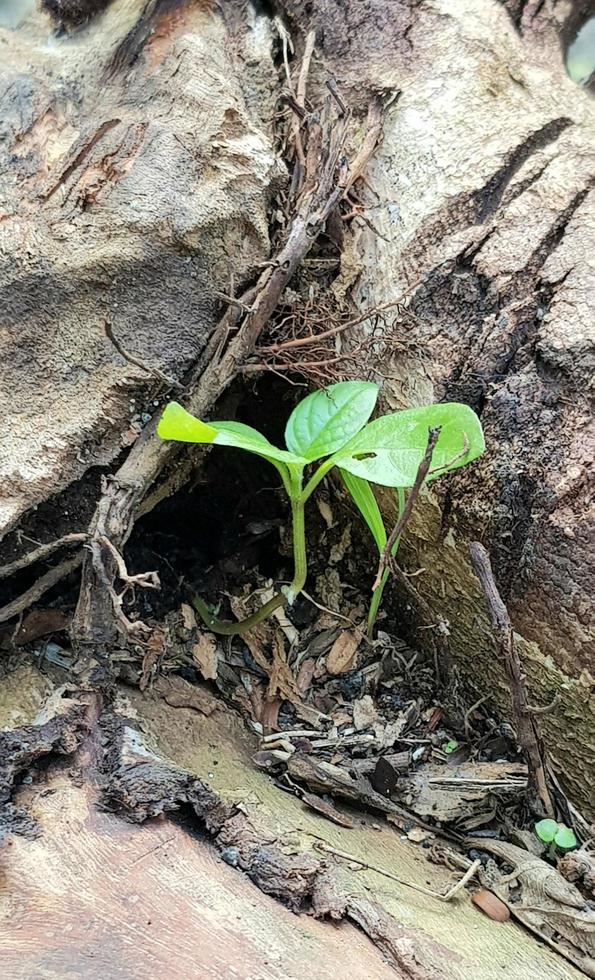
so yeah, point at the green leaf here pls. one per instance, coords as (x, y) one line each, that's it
(389, 450)
(565, 838)
(546, 830)
(325, 420)
(178, 424)
(450, 746)
(366, 502)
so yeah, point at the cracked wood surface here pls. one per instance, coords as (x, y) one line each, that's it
(122, 196)
(96, 895)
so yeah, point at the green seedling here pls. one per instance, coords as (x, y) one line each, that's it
(557, 835)
(450, 746)
(331, 429)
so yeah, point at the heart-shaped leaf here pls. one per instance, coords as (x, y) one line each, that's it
(326, 420)
(389, 450)
(178, 424)
(364, 499)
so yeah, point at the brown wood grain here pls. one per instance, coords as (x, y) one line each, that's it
(98, 898)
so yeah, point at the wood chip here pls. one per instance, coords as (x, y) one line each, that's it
(180, 694)
(188, 617)
(342, 655)
(364, 713)
(491, 905)
(339, 549)
(39, 623)
(325, 512)
(206, 658)
(326, 809)
(154, 649)
(281, 679)
(418, 835)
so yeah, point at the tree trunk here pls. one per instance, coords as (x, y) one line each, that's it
(141, 176)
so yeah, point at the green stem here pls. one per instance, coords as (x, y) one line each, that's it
(375, 602)
(225, 628)
(300, 564)
(315, 479)
(377, 593)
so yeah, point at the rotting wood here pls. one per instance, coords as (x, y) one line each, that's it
(140, 779)
(326, 181)
(62, 733)
(337, 781)
(446, 897)
(525, 720)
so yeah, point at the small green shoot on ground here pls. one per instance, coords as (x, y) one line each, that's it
(557, 835)
(331, 428)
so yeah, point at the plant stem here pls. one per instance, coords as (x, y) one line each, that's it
(225, 628)
(375, 602)
(377, 593)
(314, 480)
(300, 564)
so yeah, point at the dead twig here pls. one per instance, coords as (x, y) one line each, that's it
(469, 712)
(287, 46)
(146, 580)
(446, 897)
(127, 626)
(546, 708)
(43, 584)
(43, 551)
(371, 140)
(340, 328)
(526, 725)
(299, 110)
(386, 560)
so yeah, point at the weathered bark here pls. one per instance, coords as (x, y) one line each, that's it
(130, 194)
(95, 895)
(143, 166)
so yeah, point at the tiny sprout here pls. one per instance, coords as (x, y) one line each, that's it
(551, 832)
(450, 746)
(330, 429)
(546, 830)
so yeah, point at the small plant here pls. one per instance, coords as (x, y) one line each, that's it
(557, 835)
(331, 428)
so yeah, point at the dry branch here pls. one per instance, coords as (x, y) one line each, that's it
(446, 897)
(386, 560)
(39, 588)
(526, 724)
(43, 551)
